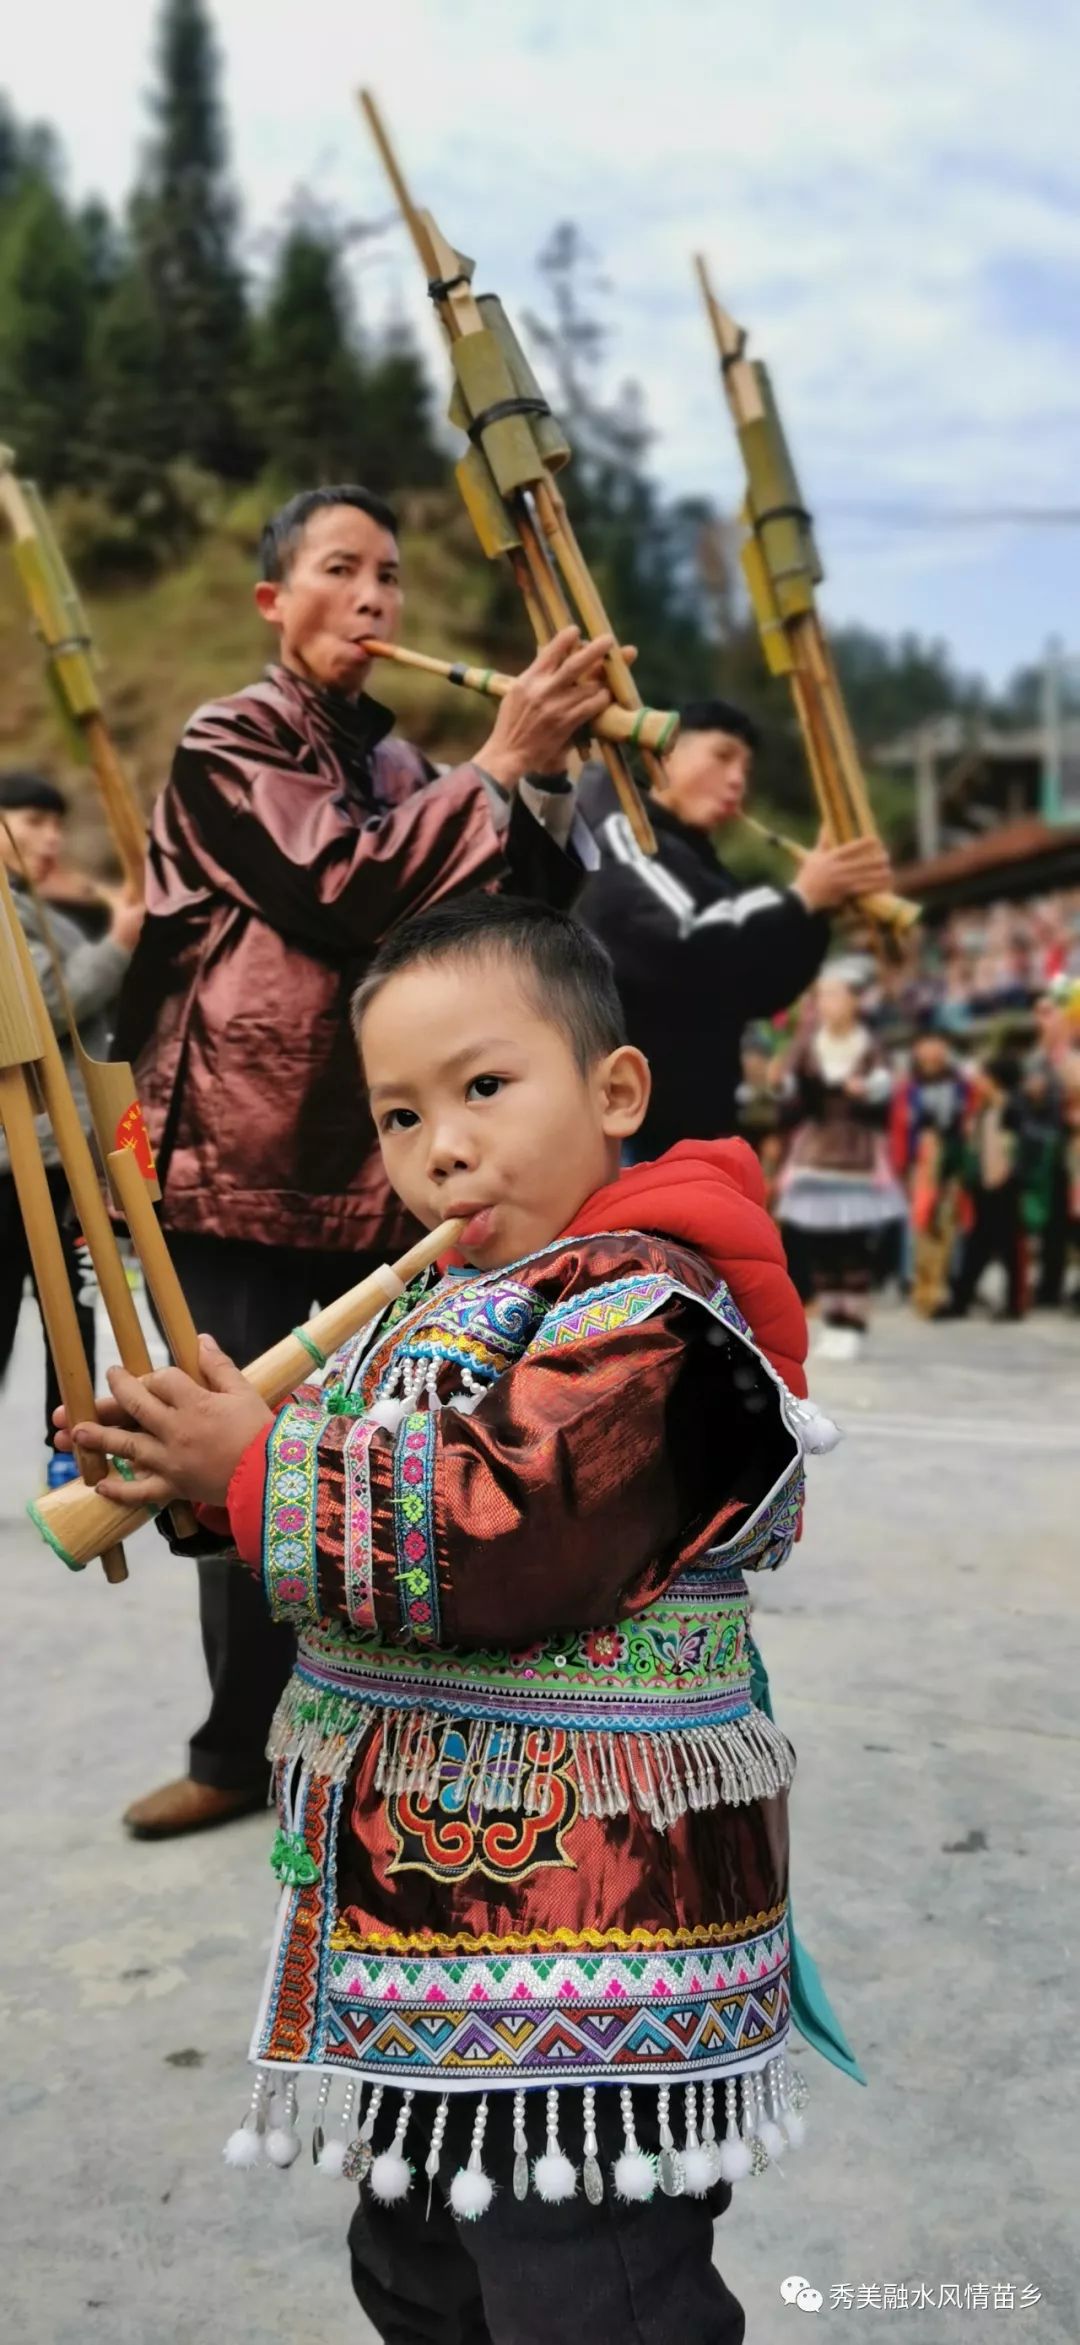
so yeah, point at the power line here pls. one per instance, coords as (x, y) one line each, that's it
(957, 516)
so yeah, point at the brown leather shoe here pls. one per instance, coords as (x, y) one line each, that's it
(187, 1806)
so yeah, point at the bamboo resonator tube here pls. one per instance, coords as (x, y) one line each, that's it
(641, 728)
(65, 639)
(78, 1525)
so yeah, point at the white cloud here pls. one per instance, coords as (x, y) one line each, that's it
(889, 198)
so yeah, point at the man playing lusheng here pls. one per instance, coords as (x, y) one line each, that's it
(533, 1835)
(291, 836)
(696, 956)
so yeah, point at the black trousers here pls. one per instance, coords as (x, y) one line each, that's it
(531, 2274)
(246, 1296)
(1054, 1249)
(14, 1265)
(996, 1236)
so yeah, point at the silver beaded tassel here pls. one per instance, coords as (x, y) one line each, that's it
(247, 2146)
(472, 2191)
(761, 2119)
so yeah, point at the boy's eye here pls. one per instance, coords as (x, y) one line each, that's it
(486, 1086)
(398, 1119)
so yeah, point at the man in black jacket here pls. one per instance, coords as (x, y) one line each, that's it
(695, 955)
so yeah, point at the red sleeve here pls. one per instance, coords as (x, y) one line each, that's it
(245, 1499)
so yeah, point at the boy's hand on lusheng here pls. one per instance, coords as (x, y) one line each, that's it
(183, 1440)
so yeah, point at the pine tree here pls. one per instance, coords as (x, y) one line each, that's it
(183, 222)
(398, 448)
(45, 302)
(306, 391)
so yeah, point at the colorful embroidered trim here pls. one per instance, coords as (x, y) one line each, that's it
(595, 2018)
(358, 1589)
(347, 1940)
(682, 1663)
(290, 1555)
(620, 1303)
(414, 1527)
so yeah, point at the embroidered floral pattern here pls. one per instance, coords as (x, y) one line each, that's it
(359, 1598)
(414, 1530)
(290, 1567)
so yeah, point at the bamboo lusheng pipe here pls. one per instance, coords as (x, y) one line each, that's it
(782, 570)
(62, 627)
(80, 1173)
(76, 1523)
(21, 1053)
(650, 728)
(506, 478)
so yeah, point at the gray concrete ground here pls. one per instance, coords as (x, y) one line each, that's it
(924, 1648)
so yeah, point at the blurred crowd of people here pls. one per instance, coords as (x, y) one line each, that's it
(922, 1125)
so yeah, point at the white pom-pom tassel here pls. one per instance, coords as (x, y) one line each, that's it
(283, 2143)
(634, 2173)
(698, 2172)
(472, 2191)
(795, 2128)
(697, 2165)
(330, 2156)
(391, 2174)
(388, 1413)
(247, 2146)
(554, 2174)
(816, 1432)
(735, 2158)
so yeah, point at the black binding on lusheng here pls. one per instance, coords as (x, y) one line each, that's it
(783, 513)
(439, 287)
(730, 358)
(502, 407)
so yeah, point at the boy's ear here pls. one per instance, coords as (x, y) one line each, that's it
(268, 600)
(625, 1086)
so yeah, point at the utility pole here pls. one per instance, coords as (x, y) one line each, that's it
(927, 811)
(1051, 729)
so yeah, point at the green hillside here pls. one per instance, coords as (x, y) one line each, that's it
(194, 633)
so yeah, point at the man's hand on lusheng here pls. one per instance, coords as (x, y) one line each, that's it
(183, 1440)
(558, 695)
(832, 876)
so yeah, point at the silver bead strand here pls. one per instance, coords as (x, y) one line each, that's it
(318, 2130)
(590, 2169)
(360, 2155)
(521, 2149)
(671, 2172)
(431, 2162)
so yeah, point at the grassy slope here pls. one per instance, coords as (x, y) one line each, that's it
(194, 634)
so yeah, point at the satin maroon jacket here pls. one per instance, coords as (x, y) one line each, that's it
(292, 834)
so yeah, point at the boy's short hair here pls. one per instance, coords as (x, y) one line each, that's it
(719, 716)
(24, 792)
(281, 535)
(563, 966)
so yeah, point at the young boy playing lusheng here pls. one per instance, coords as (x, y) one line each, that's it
(533, 1850)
